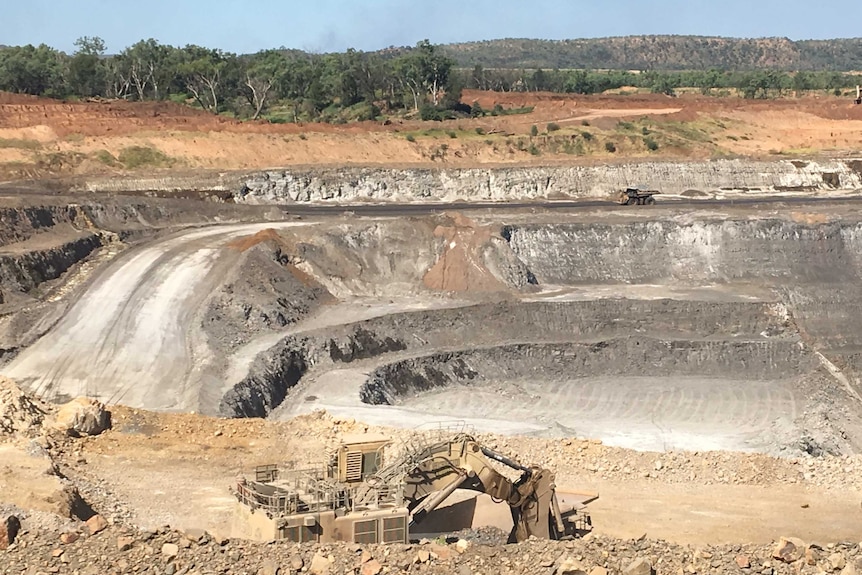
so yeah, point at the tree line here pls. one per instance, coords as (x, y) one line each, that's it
(749, 84)
(285, 85)
(310, 86)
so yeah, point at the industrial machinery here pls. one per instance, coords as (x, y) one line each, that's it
(358, 499)
(637, 196)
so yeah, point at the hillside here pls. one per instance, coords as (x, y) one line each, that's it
(662, 53)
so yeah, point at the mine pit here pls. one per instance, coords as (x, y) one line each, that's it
(687, 330)
(660, 335)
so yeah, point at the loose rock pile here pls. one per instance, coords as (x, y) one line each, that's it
(115, 549)
(20, 414)
(585, 459)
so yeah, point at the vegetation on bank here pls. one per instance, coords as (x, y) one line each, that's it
(293, 86)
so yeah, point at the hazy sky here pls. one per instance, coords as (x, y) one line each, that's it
(334, 25)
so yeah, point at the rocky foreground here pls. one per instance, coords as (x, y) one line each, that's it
(97, 548)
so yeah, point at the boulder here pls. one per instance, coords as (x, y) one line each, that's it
(570, 566)
(269, 567)
(320, 564)
(83, 416)
(743, 562)
(789, 549)
(170, 550)
(372, 567)
(96, 523)
(639, 566)
(837, 561)
(9, 527)
(124, 543)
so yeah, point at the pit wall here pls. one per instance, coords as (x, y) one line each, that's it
(24, 272)
(694, 254)
(633, 357)
(274, 373)
(499, 184)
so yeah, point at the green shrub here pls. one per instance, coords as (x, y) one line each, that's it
(587, 136)
(534, 131)
(19, 144)
(105, 157)
(610, 147)
(625, 125)
(452, 134)
(410, 138)
(140, 156)
(553, 127)
(430, 114)
(651, 144)
(303, 137)
(584, 123)
(534, 150)
(480, 131)
(645, 131)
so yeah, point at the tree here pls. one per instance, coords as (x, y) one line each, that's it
(265, 70)
(87, 73)
(540, 80)
(208, 75)
(579, 82)
(150, 68)
(424, 72)
(665, 84)
(33, 70)
(707, 81)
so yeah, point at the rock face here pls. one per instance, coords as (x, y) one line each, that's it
(254, 298)
(83, 416)
(642, 356)
(351, 184)
(25, 271)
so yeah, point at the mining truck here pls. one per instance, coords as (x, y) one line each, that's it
(637, 196)
(358, 499)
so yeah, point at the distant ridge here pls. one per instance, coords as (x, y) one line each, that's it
(662, 53)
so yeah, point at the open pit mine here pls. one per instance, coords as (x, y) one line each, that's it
(519, 303)
(707, 324)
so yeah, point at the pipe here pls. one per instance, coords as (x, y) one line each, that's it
(435, 500)
(503, 459)
(558, 516)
